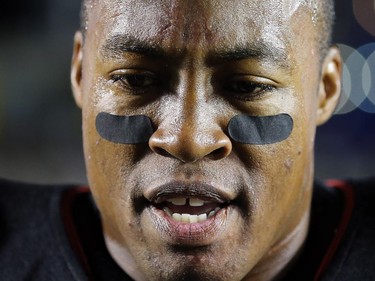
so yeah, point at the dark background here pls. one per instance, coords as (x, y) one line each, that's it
(40, 135)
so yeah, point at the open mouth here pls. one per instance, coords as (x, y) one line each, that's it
(188, 203)
(190, 213)
(189, 209)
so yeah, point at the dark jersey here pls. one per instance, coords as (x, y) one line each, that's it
(54, 233)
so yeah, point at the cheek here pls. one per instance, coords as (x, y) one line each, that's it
(108, 164)
(108, 168)
(281, 175)
(294, 173)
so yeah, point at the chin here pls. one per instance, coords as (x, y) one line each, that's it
(190, 273)
(204, 263)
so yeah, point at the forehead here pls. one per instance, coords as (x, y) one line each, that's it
(178, 24)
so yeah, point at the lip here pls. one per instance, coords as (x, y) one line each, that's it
(188, 189)
(189, 234)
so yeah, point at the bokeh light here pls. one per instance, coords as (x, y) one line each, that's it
(364, 12)
(358, 75)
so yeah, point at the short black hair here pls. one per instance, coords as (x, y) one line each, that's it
(322, 13)
(84, 17)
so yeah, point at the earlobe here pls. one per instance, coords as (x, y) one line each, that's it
(330, 85)
(76, 68)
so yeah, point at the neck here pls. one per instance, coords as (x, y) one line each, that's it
(124, 259)
(282, 256)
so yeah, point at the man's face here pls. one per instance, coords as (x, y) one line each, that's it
(191, 66)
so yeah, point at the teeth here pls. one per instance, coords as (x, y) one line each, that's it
(202, 217)
(194, 202)
(212, 213)
(187, 218)
(180, 201)
(165, 209)
(177, 217)
(193, 218)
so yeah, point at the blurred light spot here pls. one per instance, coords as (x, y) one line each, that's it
(369, 105)
(364, 12)
(354, 95)
(346, 51)
(345, 106)
(358, 79)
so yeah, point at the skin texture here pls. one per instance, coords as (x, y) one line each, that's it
(198, 64)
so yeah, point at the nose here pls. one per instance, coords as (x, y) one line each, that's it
(189, 143)
(192, 128)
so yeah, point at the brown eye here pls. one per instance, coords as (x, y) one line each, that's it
(135, 81)
(245, 89)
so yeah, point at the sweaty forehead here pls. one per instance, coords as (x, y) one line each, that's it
(179, 24)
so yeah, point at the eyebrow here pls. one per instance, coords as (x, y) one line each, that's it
(117, 45)
(255, 50)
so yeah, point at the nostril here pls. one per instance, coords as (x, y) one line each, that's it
(189, 147)
(158, 143)
(161, 151)
(220, 152)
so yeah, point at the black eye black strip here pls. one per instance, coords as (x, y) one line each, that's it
(124, 129)
(260, 130)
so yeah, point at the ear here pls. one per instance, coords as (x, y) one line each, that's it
(330, 85)
(76, 68)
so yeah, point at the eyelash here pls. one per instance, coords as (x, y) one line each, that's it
(125, 80)
(243, 90)
(247, 94)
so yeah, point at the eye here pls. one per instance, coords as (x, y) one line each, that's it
(245, 89)
(134, 81)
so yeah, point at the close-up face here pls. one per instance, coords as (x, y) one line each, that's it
(213, 175)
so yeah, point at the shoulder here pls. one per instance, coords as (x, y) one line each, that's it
(354, 259)
(17, 196)
(33, 243)
(25, 206)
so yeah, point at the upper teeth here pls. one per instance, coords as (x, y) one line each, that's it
(180, 201)
(195, 202)
(188, 218)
